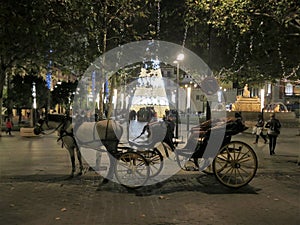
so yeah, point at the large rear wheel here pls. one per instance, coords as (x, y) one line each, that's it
(235, 165)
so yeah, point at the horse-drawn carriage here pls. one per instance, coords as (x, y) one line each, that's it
(133, 164)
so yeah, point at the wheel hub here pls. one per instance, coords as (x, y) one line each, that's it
(235, 165)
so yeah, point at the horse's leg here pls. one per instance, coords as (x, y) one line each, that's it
(111, 169)
(72, 156)
(98, 160)
(79, 159)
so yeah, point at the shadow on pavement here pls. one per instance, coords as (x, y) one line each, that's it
(48, 178)
(178, 183)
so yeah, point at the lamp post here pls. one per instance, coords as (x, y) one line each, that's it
(187, 82)
(188, 107)
(34, 106)
(262, 99)
(115, 97)
(179, 58)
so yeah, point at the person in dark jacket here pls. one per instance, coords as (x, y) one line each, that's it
(259, 129)
(273, 126)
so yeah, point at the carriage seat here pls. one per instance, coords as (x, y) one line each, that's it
(156, 134)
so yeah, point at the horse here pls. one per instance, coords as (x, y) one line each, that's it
(90, 134)
(65, 135)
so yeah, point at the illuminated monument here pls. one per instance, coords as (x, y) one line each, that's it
(245, 103)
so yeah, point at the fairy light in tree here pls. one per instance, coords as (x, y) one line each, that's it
(293, 73)
(185, 35)
(86, 44)
(158, 20)
(96, 28)
(237, 49)
(280, 58)
(251, 44)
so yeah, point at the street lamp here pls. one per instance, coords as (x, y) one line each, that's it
(115, 96)
(179, 58)
(188, 106)
(34, 106)
(188, 82)
(262, 99)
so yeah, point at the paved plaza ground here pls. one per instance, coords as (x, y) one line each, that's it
(35, 189)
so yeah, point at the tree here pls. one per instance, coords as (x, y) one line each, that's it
(257, 39)
(63, 94)
(21, 92)
(65, 33)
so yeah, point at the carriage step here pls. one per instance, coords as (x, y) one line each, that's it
(27, 132)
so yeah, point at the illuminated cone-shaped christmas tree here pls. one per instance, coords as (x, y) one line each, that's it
(150, 92)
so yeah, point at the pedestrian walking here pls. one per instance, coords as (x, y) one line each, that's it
(273, 126)
(9, 126)
(259, 129)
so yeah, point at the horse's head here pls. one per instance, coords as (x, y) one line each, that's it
(62, 125)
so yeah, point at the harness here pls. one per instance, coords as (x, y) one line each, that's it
(95, 137)
(64, 133)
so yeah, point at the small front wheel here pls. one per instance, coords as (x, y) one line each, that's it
(155, 160)
(132, 170)
(235, 165)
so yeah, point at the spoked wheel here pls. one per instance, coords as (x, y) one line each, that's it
(132, 170)
(155, 160)
(235, 165)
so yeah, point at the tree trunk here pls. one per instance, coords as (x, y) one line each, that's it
(2, 82)
(101, 108)
(111, 93)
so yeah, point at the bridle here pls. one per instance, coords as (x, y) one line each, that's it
(39, 126)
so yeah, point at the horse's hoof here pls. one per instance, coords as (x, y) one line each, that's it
(79, 174)
(105, 181)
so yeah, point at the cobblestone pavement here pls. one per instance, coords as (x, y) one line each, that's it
(35, 189)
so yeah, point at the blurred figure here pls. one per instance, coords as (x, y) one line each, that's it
(9, 126)
(259, 129)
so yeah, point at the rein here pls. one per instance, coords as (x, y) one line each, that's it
(40, 124)
(56, 129)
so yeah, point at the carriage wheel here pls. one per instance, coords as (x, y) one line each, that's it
(155, 160)
(132, 170)
(235, 165)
